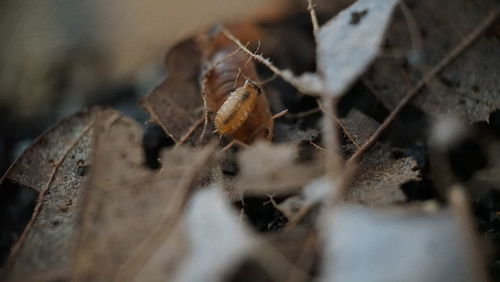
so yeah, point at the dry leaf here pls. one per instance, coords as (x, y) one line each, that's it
(349, 42)
(267, 168)
(360, 127)
(315, 192)
(176, 104)
(284, 256)
(55, 166)
(468, 87)
(381, 177)
(217, 239)
(129, 210)
(366, 244)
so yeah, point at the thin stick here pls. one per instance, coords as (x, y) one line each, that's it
(304, 114)
(339, 122)
(411, 22)
(257, 57)
(317, 146)
(205, 109)
(271, 123)
(191, 130)
(277, 206)
(285, 75)
(314, 18)
(459, 204)
(297, 218)
(334, 162)
(232, 143)
(426, 79)
(240, 69)
(305, 259)
(341, 184)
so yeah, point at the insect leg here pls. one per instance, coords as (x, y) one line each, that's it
(271, 123)
(232, 143)
(190, 132)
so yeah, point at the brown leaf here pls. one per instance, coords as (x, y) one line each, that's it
(349, 42)
(176, 104)
(360, 127)
(128, 209)
(467, 88)
(54, 166)
(281, 256)
(381, 177)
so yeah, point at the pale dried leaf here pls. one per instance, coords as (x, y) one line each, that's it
(348, 43)
(55, 167)
(218, 240)
(267, 168)
(310, 83)
(366, 244)
(315, 192)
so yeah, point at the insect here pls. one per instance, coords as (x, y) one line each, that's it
(231, 92)
(236, 108)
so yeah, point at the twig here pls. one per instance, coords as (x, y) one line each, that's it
(459, 204)
(340, 184)
(426, 79)
(341, 124)
(240, 69)
(190, 132)
(232, 143)
(317, 146)
(411, 22)
(303, 114)
(257, 57)
(285, 75)
(111, 120)
(304, 210)
(305, 259)
(334, 162)
(277, 206)
(314, 18)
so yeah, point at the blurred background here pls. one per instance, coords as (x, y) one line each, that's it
(59, 56)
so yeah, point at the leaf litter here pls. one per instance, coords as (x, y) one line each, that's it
(52, 166)
(129, 209)
(119, 220)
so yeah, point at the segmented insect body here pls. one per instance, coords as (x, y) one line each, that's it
(242, 110)
(236, 109)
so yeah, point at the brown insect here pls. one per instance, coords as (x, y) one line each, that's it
(237, 107)
(231, 92)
